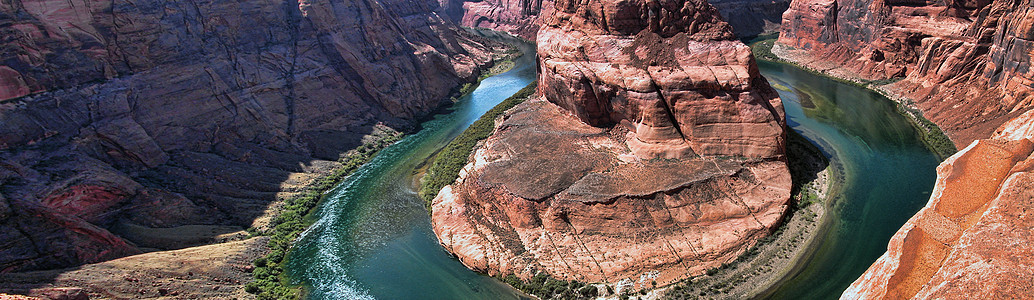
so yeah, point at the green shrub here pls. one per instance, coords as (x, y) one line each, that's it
(448, 163)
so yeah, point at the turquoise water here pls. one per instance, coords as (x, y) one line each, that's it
(372, 237)
(888, 175)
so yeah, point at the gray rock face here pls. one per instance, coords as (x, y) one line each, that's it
(114, 110)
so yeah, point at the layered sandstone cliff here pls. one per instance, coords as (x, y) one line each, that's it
(654, 152)
(965, 63)
(136, 117)
(974, 238)
(518, 17)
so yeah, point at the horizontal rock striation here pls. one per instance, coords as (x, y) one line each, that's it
(654, 152)
(965, 63)
(547, 192)
(672, 71)
(164, 114)
(974, 236)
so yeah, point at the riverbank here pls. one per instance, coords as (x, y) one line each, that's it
(291, 217)
(815, 179)
(766, 48)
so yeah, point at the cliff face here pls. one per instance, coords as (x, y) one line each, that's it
(520, 17)
(654, 152)
(752, 17)
(523, 17)
(161, 114)
(675, 73)
(966, 63)
(974, 236)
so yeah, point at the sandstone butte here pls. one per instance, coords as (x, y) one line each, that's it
(654, 151)
(966, 64)
(973, 239)
(121, 122)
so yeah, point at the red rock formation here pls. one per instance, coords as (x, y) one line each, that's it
(170, 113)
(965, 63)
(520, 18)
(654, 153)
(673, 71)
(974, 236)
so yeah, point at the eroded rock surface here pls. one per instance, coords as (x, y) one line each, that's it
(973, 239)
(673, 71)
(965, 63)
(165, 114)
(550, 193)
(653, 153)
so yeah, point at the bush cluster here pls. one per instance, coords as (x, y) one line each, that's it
(269, 280)
(546, 287)
(448, 163)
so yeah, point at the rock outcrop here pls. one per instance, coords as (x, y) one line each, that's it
(965, 63)
(164, 114)
(654, 152)
(673, 71)
(974, 236)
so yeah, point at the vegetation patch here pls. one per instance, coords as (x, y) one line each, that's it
(270, 282)
(448, 162)
(546, 287)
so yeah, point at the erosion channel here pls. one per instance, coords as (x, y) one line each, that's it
(372, 236)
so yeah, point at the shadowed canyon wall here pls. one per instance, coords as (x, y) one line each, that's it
(523, 17)
(653, 152)
(965, 63)
(121, 118)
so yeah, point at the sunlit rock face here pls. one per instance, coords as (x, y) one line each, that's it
(973, 239)
(671, 69)
(653, 152)
(171, 113)
(965, 63)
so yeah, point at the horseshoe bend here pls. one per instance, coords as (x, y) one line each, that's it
(643, 156)
(385, 149)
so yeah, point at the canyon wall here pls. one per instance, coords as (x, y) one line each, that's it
(653, 152)
(161, 118)
(752, 17)
(518, 17)
(965, 63)
(523, 17)
(974, 236)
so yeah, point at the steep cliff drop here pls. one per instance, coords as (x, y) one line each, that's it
(654, 152)
(974, 236)
(965, 63)
(153, 117)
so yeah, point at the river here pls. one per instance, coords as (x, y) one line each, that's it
(372, 236)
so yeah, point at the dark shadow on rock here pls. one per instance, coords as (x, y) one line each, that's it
(196, 117)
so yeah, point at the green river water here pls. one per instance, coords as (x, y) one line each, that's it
(372, 237)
